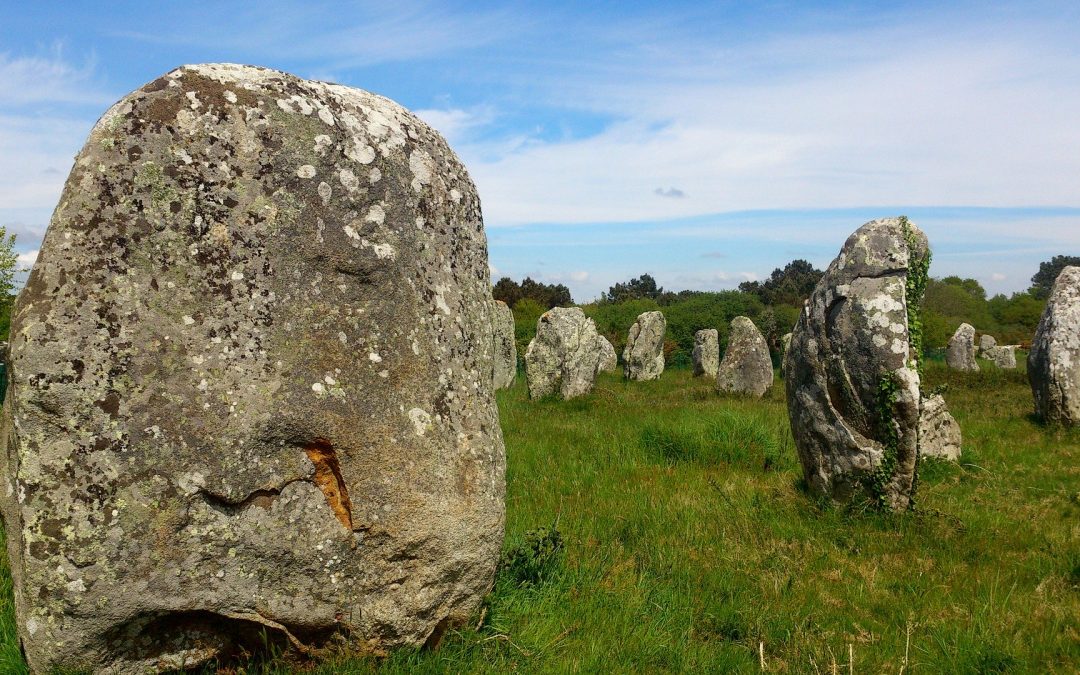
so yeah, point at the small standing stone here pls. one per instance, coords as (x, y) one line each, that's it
(609, 360)
(564, 356)
(706, 353)
(986, 343)
(785, 345)
(1002, 356)
(960, 354)
(1053, 363)
(939, 434)
(643, 357)
(505, 346)
(747, 367)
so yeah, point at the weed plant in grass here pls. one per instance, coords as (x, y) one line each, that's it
(658, 526)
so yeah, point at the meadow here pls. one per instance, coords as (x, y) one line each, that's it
(660, 526)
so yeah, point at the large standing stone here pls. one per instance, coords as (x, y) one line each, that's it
(643, 357)
(939, 434)
(505, 346)
(706, 354)
(960, 354)
(564, 356)
(852, 386)
(747, 367)
(609, 360)
(251, 383)
(1053, 363)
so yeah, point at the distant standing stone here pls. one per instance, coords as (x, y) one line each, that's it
(1053, 363)
(706, 355)
(785, 345)
(986, 343)
(609, 360)
(564, 356)
(852, 385)
(747, 366)
(643, 357)
(1002, 356)
(505, 346)
(960, 354)
(251, 398)
(939, 434)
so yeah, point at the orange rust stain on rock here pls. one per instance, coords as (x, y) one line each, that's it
(328, 479)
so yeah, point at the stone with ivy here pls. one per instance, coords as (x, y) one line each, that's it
(505, 362)
(563, 358)
(747, 367)
(852, 372)
(706, 354)
(1053, 363)
(251, 396)
(960, 353)
(643, 356)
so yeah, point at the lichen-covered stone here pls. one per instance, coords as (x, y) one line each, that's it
(609, 360)
(250, 383)
(960, 353)
(505, 346)
(852, 385)
(785, 346)
(1053, 363)
(706, 354)
(747, 366)
(643, 356)
(564, 356)
(986, 343)
(1002, 356)
(939, 434)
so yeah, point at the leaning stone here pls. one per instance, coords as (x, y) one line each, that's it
(505, 347)
(747, 367)
(706, 355)
(986, 343)
(960, 354)
(609, 360)
(1002, 356)
(564, 356)
(643, 357)
(1053, 363)
(852, 385)
(939, 434)
(251, 394)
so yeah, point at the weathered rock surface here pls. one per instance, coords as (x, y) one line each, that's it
(643, 357)
(706, 354)
(986, 343)
(505, 346)
(939, 434)
(564, 356)
(251, 383)
(1002, 356)
(609, 360)
(785, 344)
(960, 353)
(747, 367)
(1053, 363)
(852, 388)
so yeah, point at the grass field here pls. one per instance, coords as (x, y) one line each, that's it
(688, 544)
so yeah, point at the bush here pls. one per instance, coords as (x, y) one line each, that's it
(534, 559)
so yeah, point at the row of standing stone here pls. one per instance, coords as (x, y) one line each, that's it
(961, 351)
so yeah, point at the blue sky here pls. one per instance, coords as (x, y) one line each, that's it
(705, 143)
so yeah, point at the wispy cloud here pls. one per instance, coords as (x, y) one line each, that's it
(671, 193)
(48, 79)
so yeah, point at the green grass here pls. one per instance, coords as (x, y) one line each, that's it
(688, 544)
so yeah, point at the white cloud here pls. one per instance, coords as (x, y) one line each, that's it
(456, 123)
(51, 79)
(998, 276)
(27, 259)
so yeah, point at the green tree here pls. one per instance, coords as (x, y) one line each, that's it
(789, 285)
(9, 261)
(1048, 273)
(635, 289)
(548, 295)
